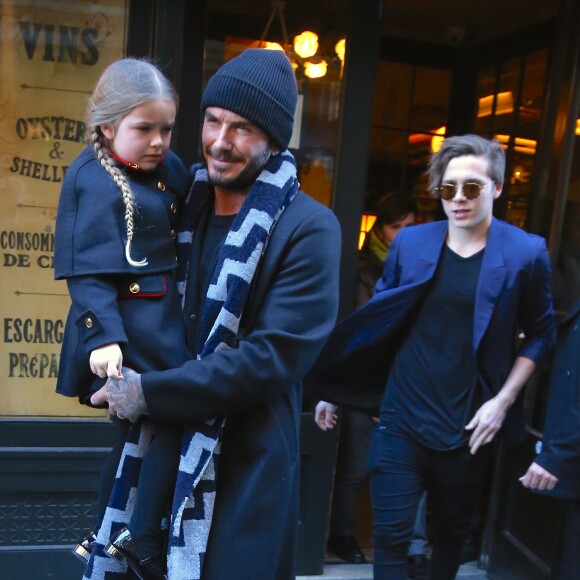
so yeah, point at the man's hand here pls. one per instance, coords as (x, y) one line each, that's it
(107, 361)
(125, 397)
(538, 478)
(489, 418)
(325, 415)
(486, 422)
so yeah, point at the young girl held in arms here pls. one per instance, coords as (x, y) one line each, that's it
(114, 245)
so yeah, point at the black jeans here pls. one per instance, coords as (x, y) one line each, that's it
(401, 468)
(352, 471)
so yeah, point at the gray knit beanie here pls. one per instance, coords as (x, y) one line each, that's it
(260, 86)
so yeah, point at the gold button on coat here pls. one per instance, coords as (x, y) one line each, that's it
(134, 288)
(89, 322)
(161, 186)
(173, 208)
(173, 234)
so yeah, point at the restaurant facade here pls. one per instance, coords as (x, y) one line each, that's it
(379, 88)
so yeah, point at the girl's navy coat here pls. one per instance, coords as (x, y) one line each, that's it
(112, 301)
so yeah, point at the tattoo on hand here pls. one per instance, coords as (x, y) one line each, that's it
(126, 396)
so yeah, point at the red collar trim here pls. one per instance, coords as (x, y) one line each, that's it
(129, 164)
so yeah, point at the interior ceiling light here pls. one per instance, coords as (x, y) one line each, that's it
(434, 139)
(272, 46)
(306, 44)
(305, 49)
(521, 144)
(315, 70)
(367, 221)
(340, 49)
(437, 139)
(504, 104)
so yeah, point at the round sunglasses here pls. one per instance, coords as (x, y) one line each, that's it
(471, 189)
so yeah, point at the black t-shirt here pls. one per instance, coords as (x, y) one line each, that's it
(216, 232)
(208, 239)
(432, 388)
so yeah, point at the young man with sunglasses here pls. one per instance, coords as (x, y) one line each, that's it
(437, 351)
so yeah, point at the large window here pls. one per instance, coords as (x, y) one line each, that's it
(509, 106)
(51, 55)
(409, 119)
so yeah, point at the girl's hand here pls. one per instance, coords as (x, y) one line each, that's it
(107, 361)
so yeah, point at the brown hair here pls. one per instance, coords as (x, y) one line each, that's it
(466, 145)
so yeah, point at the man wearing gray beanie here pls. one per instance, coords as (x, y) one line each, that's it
(258, 274)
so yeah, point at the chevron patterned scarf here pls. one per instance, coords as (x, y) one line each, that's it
(230, 285)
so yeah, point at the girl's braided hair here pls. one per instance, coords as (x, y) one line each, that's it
(124, 85)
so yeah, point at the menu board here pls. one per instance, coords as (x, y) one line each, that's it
(51, 56)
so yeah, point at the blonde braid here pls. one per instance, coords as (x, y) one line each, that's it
(108, 164)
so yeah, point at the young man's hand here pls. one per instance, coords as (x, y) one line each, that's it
(486, 422)
(325, 415)
(489, 418)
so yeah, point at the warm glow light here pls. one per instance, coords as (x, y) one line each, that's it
(315, 70)
(419, 138)
(367, 221)
(504, 104)
(577, 126)
(437, 139)
(272, 46)
(521, 145)
(340, 49)
(306, 44)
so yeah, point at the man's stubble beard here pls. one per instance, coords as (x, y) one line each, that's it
(246, 178)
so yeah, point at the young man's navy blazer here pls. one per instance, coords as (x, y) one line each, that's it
(513, 295)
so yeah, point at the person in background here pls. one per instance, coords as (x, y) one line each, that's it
(556, 469)
(462, 289)
(259, 265)
(114, 245)
(394, 211)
